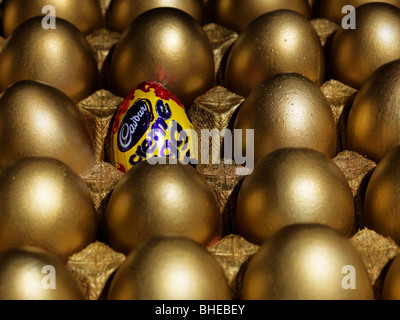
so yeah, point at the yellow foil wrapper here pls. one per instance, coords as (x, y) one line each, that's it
(151, 122)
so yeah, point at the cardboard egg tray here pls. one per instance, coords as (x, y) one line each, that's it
(94, 266)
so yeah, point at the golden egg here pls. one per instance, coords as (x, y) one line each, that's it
(332, 9)
(121, 13)
(357, 53)
(238, 14)
(382, 198)
(307, 262)
(165, 45)
(43, 203)
(287, 110)
(293, 185)
(85, 15)
(391, 284)
(169, 268)
(152, 200)
(61, 57)
(30, 273)
(276, 42)
(39, 120)
(373, 123)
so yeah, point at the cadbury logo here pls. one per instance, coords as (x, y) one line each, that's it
(135, 124)
(157, 139)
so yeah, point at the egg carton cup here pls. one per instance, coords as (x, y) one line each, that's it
(95, 265)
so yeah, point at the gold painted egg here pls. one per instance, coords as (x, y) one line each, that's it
(290, 186)
(165, 45)
(373, 123)
(39, 120)
(357, 53)
(276, 42)
(60, 57)
(85, 15)
(307, 262)
(391, 282)
(287, 110)
(43, 203)
(152, 200)
(382, 198)
(332, 9)
(169, 268)
(30, 273)
(238, 14)
(151, 122)
(121, 13)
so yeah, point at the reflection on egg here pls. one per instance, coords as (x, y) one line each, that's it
(287, 110)
(357, 53)
(290, 186)
(332, 9)
(60, 57)
(39, 120)
(382, 198)
(30, 273)
(121, 13)
(238, 14)
(165, 45)
(158, 199)
(43, 203)
(85, 15)
(374, 119)
(169, 268)
(391, 284)
(276, 42)
(307, 262)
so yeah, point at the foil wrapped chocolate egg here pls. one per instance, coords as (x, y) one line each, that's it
(237, 15)
(276, 42)
(165, 45)
(287, 110)
(290, 186)
(43, 203)
(85, 15)
(150, 122)
(30, 273)
(373, 124)
(333, 9)
(39, 120)
(169, 268)
(121, 13)
(382, 198)
(306, 262)
(357, 53)
(60, 57)
(158, 199)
